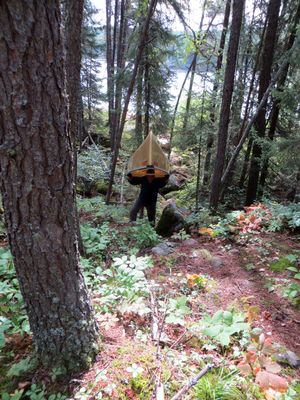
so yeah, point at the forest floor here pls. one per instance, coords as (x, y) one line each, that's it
(220, 301)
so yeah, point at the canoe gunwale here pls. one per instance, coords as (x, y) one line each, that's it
(146, 168)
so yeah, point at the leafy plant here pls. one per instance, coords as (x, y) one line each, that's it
(124, 280)
(176, 310)
(223, 325)
(16, 395)
(181, 235)
(96, 240)
(36, 392)
(142, 234)
(25, 365)
(12, 309)
(284, 217)
(292, 292)
(283, 263)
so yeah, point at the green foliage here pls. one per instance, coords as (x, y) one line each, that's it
(96, 240)
(283, 263)
(292, 292)
(176, 309)
(124, 281)
(23, 366)
(35, 392)
(16, 395)
(284, 217)
(142, 234)
(223, 325)
(187, 195)
(93, 165)
(92, 272)
(13, 317)
(221, 385)
(98, 209)
(181, 235)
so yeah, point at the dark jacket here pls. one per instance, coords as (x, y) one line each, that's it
(149, 191)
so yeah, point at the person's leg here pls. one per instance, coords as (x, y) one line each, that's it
(151, 211)
(135, 209)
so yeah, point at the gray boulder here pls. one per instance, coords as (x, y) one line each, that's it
(171, 221)
(175, 183)
(289, 358)
(163, 249)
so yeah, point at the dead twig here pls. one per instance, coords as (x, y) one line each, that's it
(192, 382)
(157, 328)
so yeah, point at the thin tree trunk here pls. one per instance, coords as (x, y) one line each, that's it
(73, 25)
(110, 69)
(189, 95)
(246, 163)
(262, 103)
(139, 107)
(264, 80)
(36, 180)
(140, 49)
(120, 63)
(210, 136)
(276, 103)
(147, 92)
(176, 108)
(237, 13)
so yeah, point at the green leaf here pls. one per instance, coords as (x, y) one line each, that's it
(212, 331)
(228, 317)
(224, 338)
(217, 317)
(25, 365)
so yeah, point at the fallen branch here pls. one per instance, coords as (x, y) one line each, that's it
(192, 382)
(157, 329)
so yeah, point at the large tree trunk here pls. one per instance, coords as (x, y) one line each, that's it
(264, 81)
(237, 13)
(36, 178)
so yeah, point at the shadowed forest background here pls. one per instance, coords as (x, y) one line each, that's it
(205, 305)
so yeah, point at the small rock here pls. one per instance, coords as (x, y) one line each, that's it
(234, 251)
(289, 358)
(190, 242)
(217, 262)
(162, 249)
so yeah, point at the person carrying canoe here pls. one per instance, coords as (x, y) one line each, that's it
(148, 167)
(148, 195)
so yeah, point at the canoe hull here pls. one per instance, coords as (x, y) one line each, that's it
(149, 159)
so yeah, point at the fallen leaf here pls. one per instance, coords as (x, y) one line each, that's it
(206, 231)
(244, 368)
(267, 380)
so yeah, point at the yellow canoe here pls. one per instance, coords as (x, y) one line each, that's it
(149, 159)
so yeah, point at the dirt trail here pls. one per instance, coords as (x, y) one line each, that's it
(235, 284)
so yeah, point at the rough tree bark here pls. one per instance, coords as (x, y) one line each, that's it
(264, 81)
(237, 13)
(36, 171)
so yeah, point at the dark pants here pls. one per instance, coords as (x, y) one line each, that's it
(138, 205)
